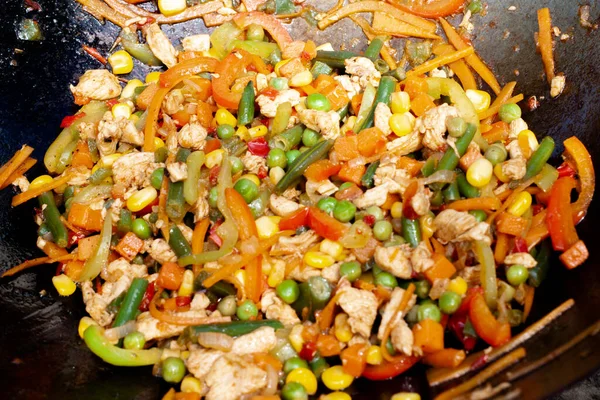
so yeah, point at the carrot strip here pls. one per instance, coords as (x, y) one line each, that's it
(473, 60)
(11, 166)
(446, 358)
(501, 249)
(530, 292)
(241, 289)
(385, 50)
(385, 24)
(179, 320)
(401, 308)
(162, 208)
(440, 60)
(35, 262)
(509, 199)
(198, 240)
(26, 166)
(459, 67)
(479, 203)
(545, 42)
(502, 97)
(32, 193)
(326, 316)
(493, 110)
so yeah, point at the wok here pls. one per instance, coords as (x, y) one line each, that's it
(41, 355)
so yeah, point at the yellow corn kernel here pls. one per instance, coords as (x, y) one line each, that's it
(241, 276)
(349, 125)
(531, 139)
(334, 249)
(400, 102)
(134, 118)
(257, 131)
(481, 99)
(275, 174)
(279, 65)
(120, 62)
(342, 256)
(301, 79)
(406, 396)
(267, 226)
(396, 209)
(342, 329)
(121, 110)
(152, 77)
(374, 356)
(295, 338)
(185, 354)
(187, 284)
(266, 265)
(40, 181)
(521, 204)
(158, 143)
(242, 133)
(224, 117)
(129, 89)
(108, 161)
(426, 223)
(336, 379)
(171, 7)
(317, 259)
(305, 377)
(64, 285)
(142, 198)
(252, 178)
(336, 396)
(85, 323)
(214, 158)
(500, 174)
(277, 273)
(402, 124)
(480, 172)
(189, 384)
(457, 285)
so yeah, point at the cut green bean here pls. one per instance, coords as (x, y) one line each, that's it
(465, 188)
(125, 221)
(320, 68)
(288, 139)
(175, 201)
(372, 52)
(246, 107)
(539, 158)
(296, 170)
(450, 160)
(387, 85)
(335, 59)
(131, 302)
(451, 192)
(190, 185)
(429, 167)
(52, 218)
(178, 242)
(368, 178)
(411, 231)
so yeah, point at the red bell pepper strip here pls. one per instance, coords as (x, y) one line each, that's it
(565, 170)
(559, 217)
(485, 324)
(95, 54)
(430, 9)
(69, 119)
(324, 225)
(389, 370)
(259, 147)
(268, 22)
(295, 220)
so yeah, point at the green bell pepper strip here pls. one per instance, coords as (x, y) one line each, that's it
(411, 231)
(450, 160)
(246, 108)
(335, 59)
(288, 139)
(485, 256)
(190, 186)
(365, 106)
(131, 302)
(259, 48)
(125, 221)
(142, 52)
(233, 328)
(320, 68)
(367, 179)
(296, 170)
(539, 158)
(178, 242)
(99, 175)
(66, 156)
(175, 201)
(387, 85)
(52, 218)
(372, 52)
(99, 258)
(314, 295)
(465, 188)
(538, 273)
(100, 346)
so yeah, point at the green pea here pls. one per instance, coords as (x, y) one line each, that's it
(429, 311)
(157, 177)
(351, 270)
(386, 279)
(227, 306)
(236, 164)
(382, 230)
(276, 158)
(376, 212)
(517, 274)
(291, 156)
(294, 391)
(318, 364)
(173, 369)
(247, 189)
(153, 217)
(310, 137)
(456, 127)
(475, 6)
(288, 291)
(449, 302)
(318, 101)
(225, 131)
(134, 341)
(255, 32)
(141, 228)
(294, 363)
(345, 185)
(327, 204)
(509, 112)
(422, 288)
(496, 153)
(213, 197)
(479, 215)
(344, 211)
(279, 83)
(246, 310)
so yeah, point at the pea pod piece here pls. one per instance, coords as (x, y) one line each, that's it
(233, 328)
(538, 273)
(411, 231)
(539, 158)
(296, 170)
(465, 188)
(52, 217)
(178, 242)
(335, 59)
(190, 186)
(367, 179)
(387, 85)
(100, 346)
(131, 302)
(450, 160)
(246, 107)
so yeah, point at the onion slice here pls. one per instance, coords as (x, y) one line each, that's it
(215, 340)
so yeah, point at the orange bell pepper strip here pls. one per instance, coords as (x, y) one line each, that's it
(446, 358)
(510, 224)
(414, 86)
(433, 9)
(559, 217)
(429, 336)
(82, 156)
(295, 220)
(187, 68)
(389, 370)
(575, 255)
(354, 359)
(269, 23)
(321, 170)
(487, 327)
(324, 225)
(499, 132)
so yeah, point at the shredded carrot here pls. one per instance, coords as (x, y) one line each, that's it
(26, 166)
(401, 309)
(32, 193)
(459, 67)
(479, 203)
(493, 110)
(11, 166)
(198, 240)
(385, 25)
(440, 60)
(501, 249)
(179, 320)
(385, 50)
(35, 262)
(545, 42)
(473, 60)
(162, 209)
(509, 199)
(502, 98)
(530, 292)
(325, 318)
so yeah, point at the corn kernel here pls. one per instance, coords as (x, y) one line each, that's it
(374, 356)
(224, 117)
(121, 110)
(279, 65)
(189, 384)
(402, 124)
(342, 256)
(342, 329)
(396, 209)
(301, 79)
(277, 273)
(426, 223)
(457, 285)
(531, 139)
(108, 161)
(171, 7)
(480, 172)
(85, 323)
(336, 396)
(406, 396)
(521, 204)
(400, 102)
(336, 379)
(187, 284)
(295, 337)
(142, 198)
(211, 53)
(242, 133)
(305, 377)
(40, 181)
(257, 131)
(500, 174)
(158, 143)
(214, 158)
(134, 118)
(64, 285)
(481, 99)
(252, 178)
(185, 354)
(129, 89)
(267, 226)
(152, 77)
(241, 276)
(334, 249)
(275, 174)
(120, 62)
(317, 259)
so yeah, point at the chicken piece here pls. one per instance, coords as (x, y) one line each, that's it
(303, 273)
(402, 338)
(395, 260)
(253, 163)
(358, 339)
(352, 88)
(515, 127)
(173, 101)
(317, 190)
(197, 43)
(387, 169)
(22, 183)
(161, 251)
(390, 309)
(522, 258)
(433, 126)
(79, 176)
(87, 130)
(382, 118)
(282, 206)
(274, 308)
(360, 305)
(471, 275)
(438, 288)
(327, 123)
(161, 45)
(514, 168)
(200, 361)
(294, 245)
(293, 49)
(192, 135)
(261, 340)
(201, 208)
(111, 130)
(177, 171)
(460, 226)
(96, 304)
(96, 84)
(268, 106)
(186, 231)
(557, 85)
(332, 273)
(232, 376)
(514, 150)
(420, 201)
(421, 258)
(377, 196)
(133, 170)
(121, 267)
(362, 71)
(406, 144)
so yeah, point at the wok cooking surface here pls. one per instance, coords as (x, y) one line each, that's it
(41, 355)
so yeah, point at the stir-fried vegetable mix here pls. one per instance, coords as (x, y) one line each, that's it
(302, 214)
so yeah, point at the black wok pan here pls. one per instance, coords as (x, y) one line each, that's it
(41, 355)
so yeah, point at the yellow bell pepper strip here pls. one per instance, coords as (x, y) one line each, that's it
(559, 217)
(99, 258)
(487, 327)
(431, 9)
(268, 22)
(459, 67)
(100, 346)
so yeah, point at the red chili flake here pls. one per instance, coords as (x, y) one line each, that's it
(537, 208)
(98, 286)
(259, 147)
(252, 68)
(308, 352)
(69, 119)
(269, 92)
(262, 172)
(75, 237)
(183, 301)
(33, 5)
(304, 56)
(480, 362)
(60, 268)
(266, 121)
(350, 132)
(110, 103)
(369, 219)
(520, 245)
(95, 54)
(213, 175)
(565, 170)
(212, 131)
(148, 296)
(212, 307)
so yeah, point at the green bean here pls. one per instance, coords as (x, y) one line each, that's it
(367, 179)
(175, 201)
(450, 160)
(131, 302)
(411, 231)
(320, 68)
(296, 170)
(314, 295)
(178, 242)
(246, 107)
(335, 59)
(129, 41)
(160, 154)
(342, 112)
(539, 157)
(190, 185)
(99, 175)
(437, 199)
(538, 273)
(125, 221)
(429, 167)
(387, 85)
(96, 341)
(465, 188)
(233, 328)
(288, 139)
(372, 52)
(451, 192)
(52, 218)
(381, 66)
